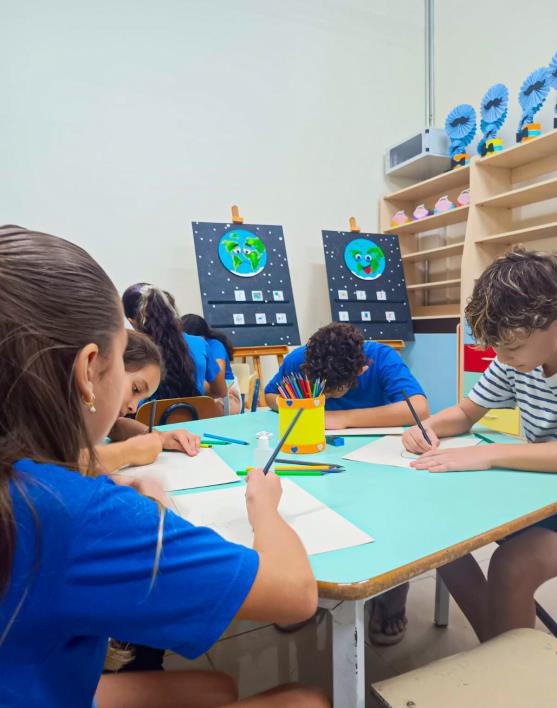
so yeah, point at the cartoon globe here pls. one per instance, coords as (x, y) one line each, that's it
(242, 253)
(364, 259)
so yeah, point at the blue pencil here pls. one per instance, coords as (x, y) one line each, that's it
(221, 437)
(255, 395)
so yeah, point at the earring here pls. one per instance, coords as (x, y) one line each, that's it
(91, 404)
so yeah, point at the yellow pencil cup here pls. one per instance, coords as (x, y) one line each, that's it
(308, 435)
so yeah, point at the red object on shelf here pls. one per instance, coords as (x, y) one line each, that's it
(477, 359)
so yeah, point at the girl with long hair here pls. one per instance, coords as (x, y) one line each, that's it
(83, 559)
(187, 359)
(223, 351)
(132, 444)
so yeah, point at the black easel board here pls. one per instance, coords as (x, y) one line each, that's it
(245, 283)
(366, 284)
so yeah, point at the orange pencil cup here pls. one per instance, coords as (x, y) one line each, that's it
(308, 435)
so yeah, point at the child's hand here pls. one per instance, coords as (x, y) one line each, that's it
(181, 440)
(142, 449)
(150, 488)
(456, 459)
(263, 494)
(145, 485)
(414, 441)
(335, 420)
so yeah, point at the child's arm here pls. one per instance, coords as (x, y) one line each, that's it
(271, 400)
(452, 421)
(179, 439)
(217, 388)
(125, 428)
(284, 589)
(381, 416)
(539, 457)
(139, 450)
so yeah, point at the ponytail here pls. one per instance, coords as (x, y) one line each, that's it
(153, 313)
(194, 324)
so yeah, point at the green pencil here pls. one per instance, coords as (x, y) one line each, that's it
(294, 473)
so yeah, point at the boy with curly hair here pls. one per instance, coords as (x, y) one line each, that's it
(513, 309)
(363, 380)
(364, 384)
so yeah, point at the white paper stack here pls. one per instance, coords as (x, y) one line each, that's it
(176, 471)
(390, 450)
(319, 527)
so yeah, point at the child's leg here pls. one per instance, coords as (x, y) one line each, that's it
(168, 689)
(285, 697)
(467, 584)
(516, 571)
(388, 621)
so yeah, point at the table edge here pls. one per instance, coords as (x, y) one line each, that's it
(373, 586)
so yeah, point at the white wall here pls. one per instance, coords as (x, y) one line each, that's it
(483, 43)
(123, 121)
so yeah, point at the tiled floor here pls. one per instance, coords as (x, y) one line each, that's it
(259, 657)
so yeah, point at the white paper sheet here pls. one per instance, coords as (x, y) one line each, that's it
(175, 470)
(356, 432)
(390, 450)
(320, 528)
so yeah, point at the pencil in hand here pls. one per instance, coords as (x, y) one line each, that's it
(416, 418)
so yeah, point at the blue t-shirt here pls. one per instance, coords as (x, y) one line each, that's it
(93, 581)
(218, 350)
(380, 385)
(206, 366)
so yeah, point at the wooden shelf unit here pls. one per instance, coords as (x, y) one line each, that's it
(435, 221)
(539, 192)
(502, 187)
(431, 253)
(435, 284)
(498, 195)
(417, 256)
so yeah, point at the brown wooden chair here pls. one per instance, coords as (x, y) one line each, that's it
(179, 410)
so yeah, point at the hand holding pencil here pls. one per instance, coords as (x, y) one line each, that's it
(419, 438)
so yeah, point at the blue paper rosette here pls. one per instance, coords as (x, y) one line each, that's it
(532, 94)
(460, 127)
(495, 104)
(552, 68)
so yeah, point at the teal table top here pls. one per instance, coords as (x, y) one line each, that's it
(412, 514)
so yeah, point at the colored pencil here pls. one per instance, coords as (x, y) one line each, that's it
(224, 439)
(298, 386)
(255, 395)
(295, 473)
(152, 416)
(282, 441)
(415, 416)
(306, 463)
(300, 467)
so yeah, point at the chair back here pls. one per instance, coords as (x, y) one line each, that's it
(179, 410)
(241, 372)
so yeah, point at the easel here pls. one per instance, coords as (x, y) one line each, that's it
(397, 344)
(279, 350)
(255, 353)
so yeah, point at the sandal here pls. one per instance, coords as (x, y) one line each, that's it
(386, 610)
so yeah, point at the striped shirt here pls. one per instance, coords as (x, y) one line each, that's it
(501, 386)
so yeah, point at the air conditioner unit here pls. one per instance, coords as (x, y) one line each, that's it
(424, 155)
